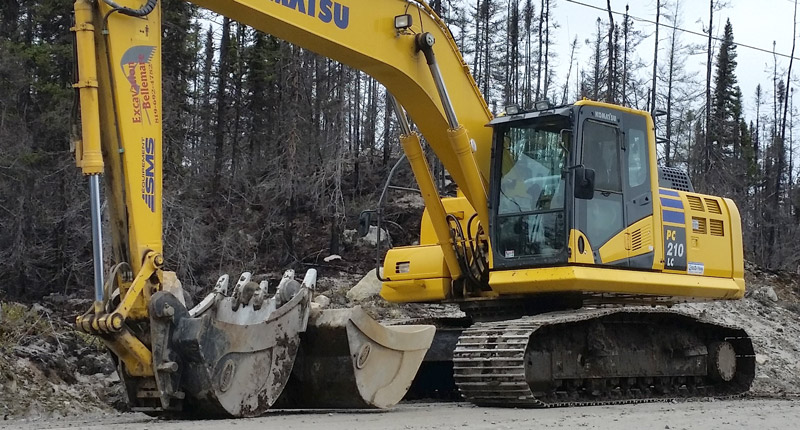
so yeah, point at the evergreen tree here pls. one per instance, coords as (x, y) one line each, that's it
(726, 110)
(177, 46)
(262, 57)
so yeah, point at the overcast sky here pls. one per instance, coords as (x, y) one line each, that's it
(755, 22)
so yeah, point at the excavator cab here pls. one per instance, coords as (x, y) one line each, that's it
(579, 173)
(530, 189)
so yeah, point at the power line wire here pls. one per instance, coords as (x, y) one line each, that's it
(696, 33)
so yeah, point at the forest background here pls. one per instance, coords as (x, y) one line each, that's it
(270, 151)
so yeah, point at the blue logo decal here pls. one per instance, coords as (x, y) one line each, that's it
(149, 172)
(324, 10)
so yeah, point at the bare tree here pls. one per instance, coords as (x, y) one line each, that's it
(707, 146)
(547, 42)
(573, 45)
(527, 87)
(222, 101)
(786, 99)
(540, 51)
(625, 33)
(611, 54)
(756, 141)
(655, 60)
(597, 77)
(679, 88)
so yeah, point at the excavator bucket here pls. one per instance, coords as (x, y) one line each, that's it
(348, 360)
(231, 355)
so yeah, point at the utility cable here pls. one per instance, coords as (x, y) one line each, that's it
(672, 27)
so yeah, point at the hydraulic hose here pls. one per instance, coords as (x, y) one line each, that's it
(143, 11)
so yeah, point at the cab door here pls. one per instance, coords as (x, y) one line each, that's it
(602, 218)
(636, 190)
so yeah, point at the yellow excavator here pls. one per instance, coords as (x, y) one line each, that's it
(562, 215)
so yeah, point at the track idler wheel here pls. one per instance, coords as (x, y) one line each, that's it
(721, 361)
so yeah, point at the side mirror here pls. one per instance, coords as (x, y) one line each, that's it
(584, 183)
(364, 221)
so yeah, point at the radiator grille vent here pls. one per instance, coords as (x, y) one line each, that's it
(699, 225)
(640, 238)
(713, 206)
(695, 203)
(677, 179)
(717, 227)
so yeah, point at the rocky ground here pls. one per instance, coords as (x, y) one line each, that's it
(770, 312)
(49, 370)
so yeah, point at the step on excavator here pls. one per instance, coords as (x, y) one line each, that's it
(563, 245)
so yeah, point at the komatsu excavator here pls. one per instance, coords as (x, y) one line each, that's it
(562, 215)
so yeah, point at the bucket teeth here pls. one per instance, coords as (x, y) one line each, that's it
(243, 279)
(286, 290)
(224, 357)
(247, 293)
(241, 291)
(222, 285)
(260, 295)
(310, 280)
(220, 290)
(235, 353)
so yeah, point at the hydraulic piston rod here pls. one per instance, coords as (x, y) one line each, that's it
(457, 134)
(433, 202)
(87, 149)
(97, 241)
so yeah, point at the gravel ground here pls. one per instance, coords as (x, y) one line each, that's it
(49, 372)
(770, 313)
(761, 414)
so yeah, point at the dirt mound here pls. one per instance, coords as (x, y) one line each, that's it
(770, 313)
(339, 288)
(48, 369)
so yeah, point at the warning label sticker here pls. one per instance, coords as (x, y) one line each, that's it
(695, 268)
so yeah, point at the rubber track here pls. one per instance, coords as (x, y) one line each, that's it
(489, 362)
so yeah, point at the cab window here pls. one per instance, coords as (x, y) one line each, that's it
(533, 159)
(601, 153)
(637, 158)
(530, 219)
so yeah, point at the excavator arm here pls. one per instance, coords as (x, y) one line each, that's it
(178, 356)
(119, 57)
